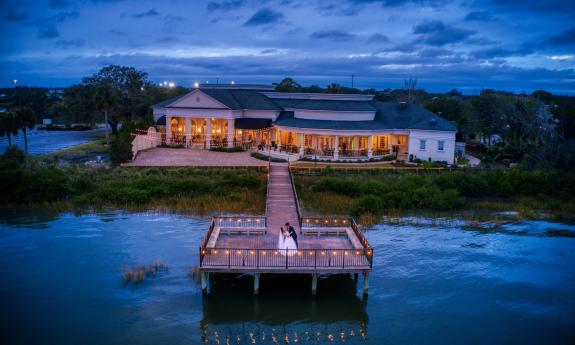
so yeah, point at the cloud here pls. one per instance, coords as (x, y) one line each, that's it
(332, 35)
(436, 33)
(15, 16)
(268, 51)
(225, 6)
(48, 33)
(565, 38)
(264, 16)
(377, 38)
(152, 12)
(66, 44)
(58, 4)
(338, 10)
(479, 16)
(499, 52)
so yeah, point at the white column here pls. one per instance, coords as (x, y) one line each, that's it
(168, 129)
(188, 130)
(231, 127)
(356, 143)
(279, 138)
(208, 132)
(336, 148)
(369, 146)
(301, 144)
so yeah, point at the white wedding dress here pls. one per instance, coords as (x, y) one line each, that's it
(286, 245)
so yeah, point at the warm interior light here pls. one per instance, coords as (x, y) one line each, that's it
(240, 132)
(180, 128)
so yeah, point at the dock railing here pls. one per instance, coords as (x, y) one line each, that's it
(334, 221)
(242, 258)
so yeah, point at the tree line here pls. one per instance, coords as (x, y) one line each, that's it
(536, 129)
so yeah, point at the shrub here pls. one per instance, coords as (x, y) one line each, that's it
(121, 148)
(227, 149)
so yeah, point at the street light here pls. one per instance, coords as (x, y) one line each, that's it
(196, 85)
(15, 81)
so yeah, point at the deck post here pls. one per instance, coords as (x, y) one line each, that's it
(256, 284)
(365, 282)
(204, 277)
(314, 284)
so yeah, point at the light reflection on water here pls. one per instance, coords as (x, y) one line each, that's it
(434, 281)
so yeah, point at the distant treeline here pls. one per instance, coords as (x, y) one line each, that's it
(535, 130)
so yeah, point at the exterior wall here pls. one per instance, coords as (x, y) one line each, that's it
(334, 115)
(261, 114)
(432, 138)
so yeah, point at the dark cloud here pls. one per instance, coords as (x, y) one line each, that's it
(436, 33)
(479, 16)
(397, 3)
(48, 33)
(15, 16)
(268, 51)
(377, 38)
(225, 6)
(565, 38)
(152, 12)
(58, 4)
(264, 16)
(67, 44)
(500, 52)
(332, 35)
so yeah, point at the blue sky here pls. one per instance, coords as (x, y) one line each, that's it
(468, 45)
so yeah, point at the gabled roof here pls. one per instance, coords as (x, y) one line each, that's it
(235, 99)
(164, 103)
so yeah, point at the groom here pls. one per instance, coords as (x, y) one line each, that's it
(292, 233)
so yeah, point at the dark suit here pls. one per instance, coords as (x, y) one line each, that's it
(293, 234)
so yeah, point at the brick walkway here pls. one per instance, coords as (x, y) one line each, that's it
(161, 156)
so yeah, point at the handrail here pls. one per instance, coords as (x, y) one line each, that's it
(233, 257)
(209, 233)
(295, 196)
(362, 240)
(240, 221)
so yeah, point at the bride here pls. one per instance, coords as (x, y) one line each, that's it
(286, 244)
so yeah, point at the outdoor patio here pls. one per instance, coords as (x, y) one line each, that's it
(160, 156)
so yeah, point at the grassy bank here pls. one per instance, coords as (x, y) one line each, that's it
(526, 192)
(185, 190)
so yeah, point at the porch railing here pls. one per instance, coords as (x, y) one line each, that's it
(352, 153)
(242, 258)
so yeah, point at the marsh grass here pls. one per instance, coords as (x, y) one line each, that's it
(182, 190)
(474, 196)
(137, 274)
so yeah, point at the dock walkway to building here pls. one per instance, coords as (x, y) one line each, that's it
(326, 245)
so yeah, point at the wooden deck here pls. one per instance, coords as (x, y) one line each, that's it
(250, 244)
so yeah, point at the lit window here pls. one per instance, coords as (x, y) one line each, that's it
(440, 144)
(422, 144)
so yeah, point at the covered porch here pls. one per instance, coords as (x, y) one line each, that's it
(206, 132)
(336, 147)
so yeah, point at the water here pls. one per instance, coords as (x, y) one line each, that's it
(434, 282)
(42, 142)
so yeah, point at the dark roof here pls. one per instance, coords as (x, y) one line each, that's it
(164, 103)
(247, 123)
(390, 115)
(333, 105)
(161, 121)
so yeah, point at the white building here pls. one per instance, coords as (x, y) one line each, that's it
(296, 125)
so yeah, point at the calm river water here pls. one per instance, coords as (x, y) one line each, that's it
(440, 282)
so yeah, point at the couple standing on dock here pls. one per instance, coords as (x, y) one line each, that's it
(287, 240)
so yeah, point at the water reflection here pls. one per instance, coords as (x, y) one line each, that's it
(284, 312)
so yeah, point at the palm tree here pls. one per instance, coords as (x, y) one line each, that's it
(7, 126)
(24, 120)
(105, 100)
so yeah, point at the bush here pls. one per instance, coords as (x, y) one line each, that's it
(263, 157)
(121, 148)
(227, 149)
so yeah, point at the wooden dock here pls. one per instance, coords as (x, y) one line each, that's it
(326, 245)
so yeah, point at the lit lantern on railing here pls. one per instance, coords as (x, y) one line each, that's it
(299, 253)
(334, 253)
(310, 253)
(227, 251)
(322, 253)
(264, 252)
(239, 252)
(214, 251)
(276, 252)
(252, 252)
(346, 253)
